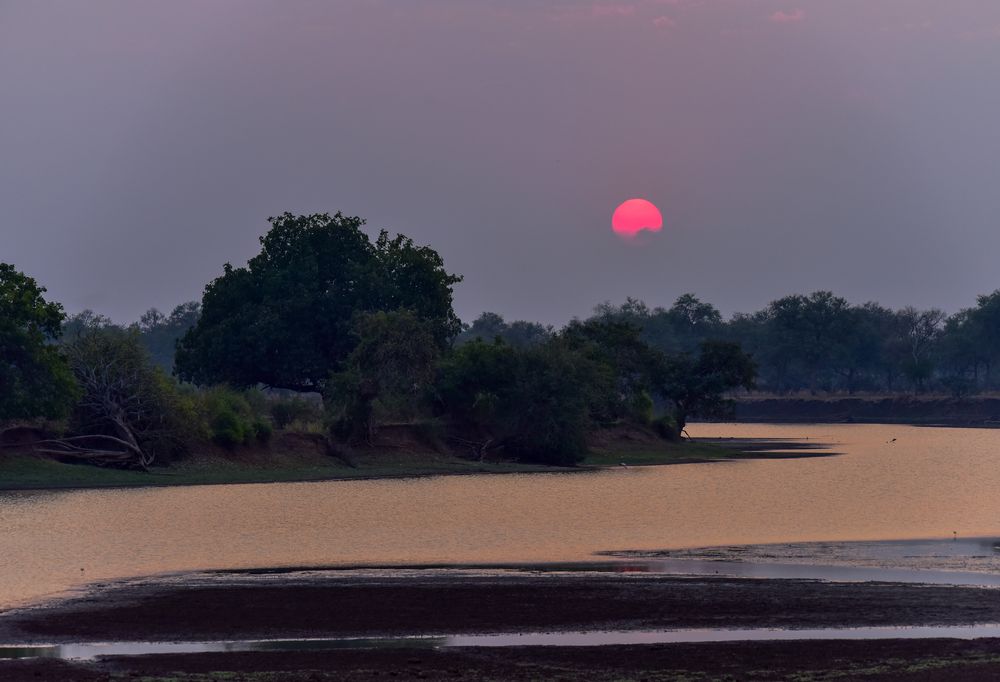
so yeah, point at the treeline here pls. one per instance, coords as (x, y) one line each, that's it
(819, 342)
(369, 328)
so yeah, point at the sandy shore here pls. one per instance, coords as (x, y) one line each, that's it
(342, 604)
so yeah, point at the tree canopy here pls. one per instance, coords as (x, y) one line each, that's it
(285, 320)
(35, 380)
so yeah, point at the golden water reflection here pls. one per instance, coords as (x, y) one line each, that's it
(928, 483)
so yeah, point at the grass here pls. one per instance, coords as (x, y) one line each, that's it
(26, 472)
(667, 453)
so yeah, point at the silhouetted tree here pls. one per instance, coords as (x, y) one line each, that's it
(698, 385)
(160, 333)
(391, 367)
(285, 320)
(35, 380)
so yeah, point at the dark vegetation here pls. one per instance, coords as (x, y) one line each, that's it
(822, 344)
(335, 336)
(329, 333)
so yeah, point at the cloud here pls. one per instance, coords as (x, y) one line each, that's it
(793, 17)
(664, 22)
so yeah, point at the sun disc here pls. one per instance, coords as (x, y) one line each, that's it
(635, 215)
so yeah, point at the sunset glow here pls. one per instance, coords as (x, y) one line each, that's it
(634, 216)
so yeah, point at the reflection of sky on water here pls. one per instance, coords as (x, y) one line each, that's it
(925, 484)
(961, 561)
(88, 651)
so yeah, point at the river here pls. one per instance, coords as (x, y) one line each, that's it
(889, 482)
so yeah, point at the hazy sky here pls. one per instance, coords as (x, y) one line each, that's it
(850, 145)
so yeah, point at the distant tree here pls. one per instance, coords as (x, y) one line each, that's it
(632, 311)
(486, 327)
(490, 326)
(85, 321)
(160, 333)
(807, 334)
(681, 328)
(697, 385)
(35, 380)
(285, 320)
(859, 356)
(918, 332)
(960, 354)
(986, 320)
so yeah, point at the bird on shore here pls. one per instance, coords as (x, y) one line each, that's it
(623, 464)
(891, 441)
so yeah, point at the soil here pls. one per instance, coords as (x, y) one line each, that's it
(344, 603)
(926, 660)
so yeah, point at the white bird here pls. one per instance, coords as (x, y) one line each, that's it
(623, 464)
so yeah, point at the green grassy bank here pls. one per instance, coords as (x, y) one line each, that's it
(23, 471)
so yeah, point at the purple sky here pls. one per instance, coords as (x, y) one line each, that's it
(850, 145)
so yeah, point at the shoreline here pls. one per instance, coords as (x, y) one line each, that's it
(385, 466)
(932, 660)
(404, 602)
(324, 605)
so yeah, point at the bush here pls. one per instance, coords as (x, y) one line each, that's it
(262, 430)
(227, 429)
(124, 395)
(666, 427)
(534, 399)
(232, 418)
(285, 411)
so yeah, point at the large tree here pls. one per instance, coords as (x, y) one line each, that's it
(388, 374)
(286, 320)
(35, 380)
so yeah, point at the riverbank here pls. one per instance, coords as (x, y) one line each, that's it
(932, 660)
(339, 603)
(374, 602)
(902, 409)
(286, 461)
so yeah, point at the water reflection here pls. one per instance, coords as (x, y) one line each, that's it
(574, 639)
(928, 483)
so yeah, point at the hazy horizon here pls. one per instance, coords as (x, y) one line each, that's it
(791, 146)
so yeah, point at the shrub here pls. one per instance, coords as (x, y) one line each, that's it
(533, 399)
(227, 429)
(285, 411)
(262, 430)
(232, 418)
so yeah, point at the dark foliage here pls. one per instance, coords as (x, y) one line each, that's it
(286, 319)
(35, 380)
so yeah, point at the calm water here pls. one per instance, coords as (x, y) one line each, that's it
(90, 651)
(928, 483)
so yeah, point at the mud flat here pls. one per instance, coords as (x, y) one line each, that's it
(435, 602)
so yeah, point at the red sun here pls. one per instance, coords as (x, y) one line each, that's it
(634, 216)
